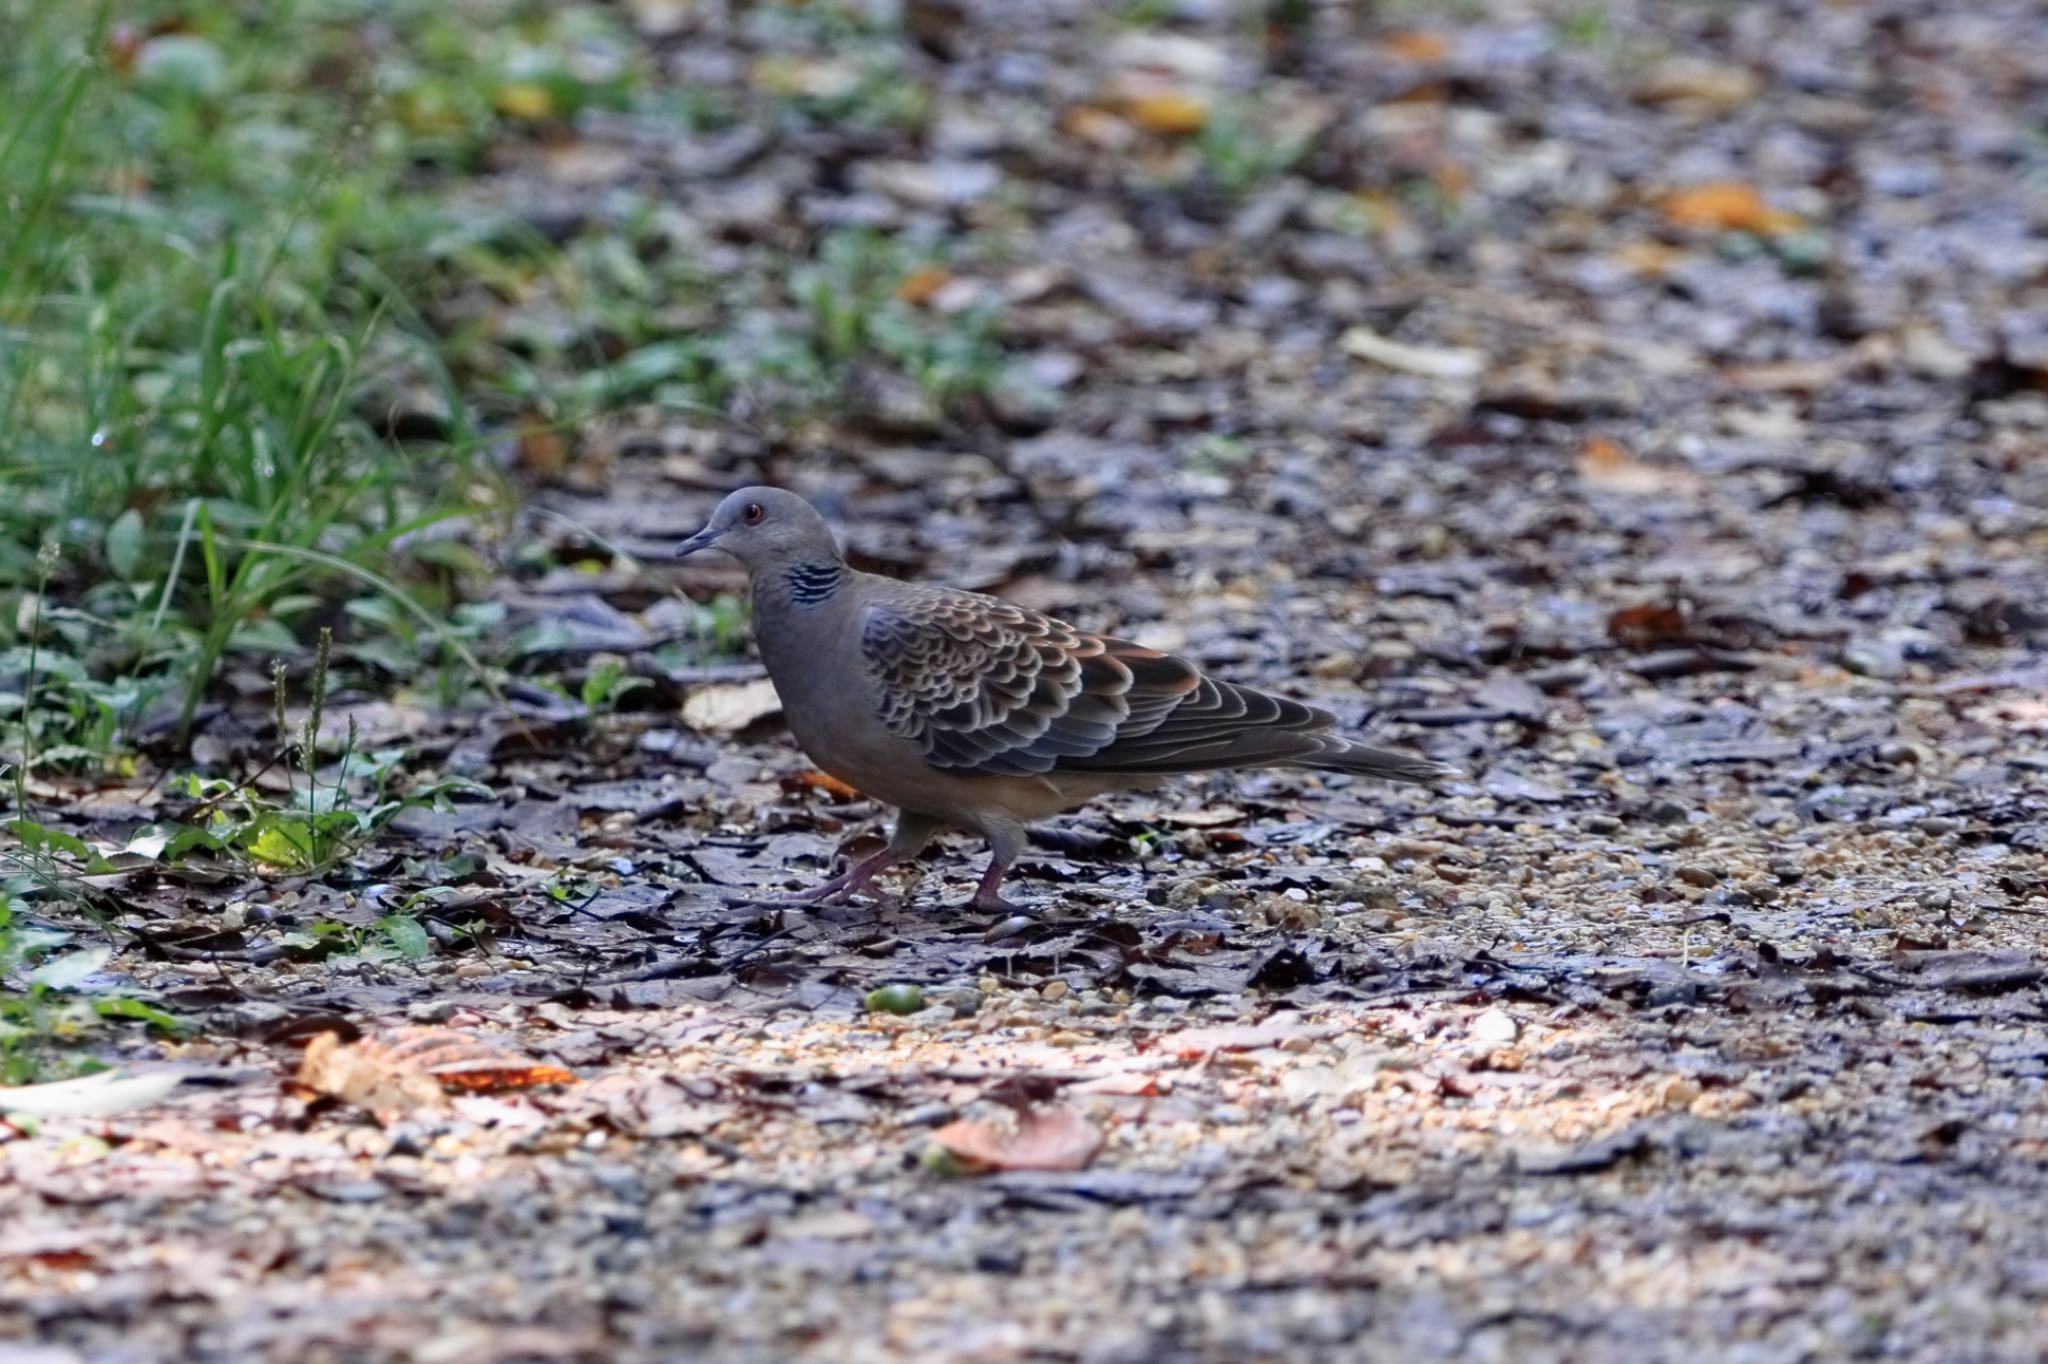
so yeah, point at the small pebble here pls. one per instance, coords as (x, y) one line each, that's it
(1494, 1027)
(1668, 811)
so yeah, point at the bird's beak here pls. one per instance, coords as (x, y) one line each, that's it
(703, 539)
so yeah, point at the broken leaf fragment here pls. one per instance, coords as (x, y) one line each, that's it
(729, 707)
(1431, 362)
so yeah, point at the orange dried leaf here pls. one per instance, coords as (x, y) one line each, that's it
(1169, 113)
(920, 284)
(1649, 624)
(1044, 1139)
(486, 1077)
(542, 452)
(826, 782)
(1726, 206)
(1418, 45)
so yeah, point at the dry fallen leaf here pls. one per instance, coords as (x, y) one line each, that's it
(1707, 85)
(1169, 113)
(1130, 1084)
(410, 1069)
(1097, 127)
(920, 284)
(1044, 1139)
(1193, 1043)
(729, 707)
(1652, 623)
(1419, 45)
(542, 452)
(1608, 466)
(1726, 206)
(1431, 362)
(1788, 376)
(821, 781)
(364, 1080)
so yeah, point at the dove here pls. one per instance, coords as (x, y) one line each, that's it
(966, 711)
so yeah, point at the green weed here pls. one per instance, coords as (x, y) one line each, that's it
(852, 292)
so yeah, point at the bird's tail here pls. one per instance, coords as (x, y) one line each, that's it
(1344, 755)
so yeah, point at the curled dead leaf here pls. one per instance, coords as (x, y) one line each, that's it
(412, 1069)
(821, 781)
(1043, 1139)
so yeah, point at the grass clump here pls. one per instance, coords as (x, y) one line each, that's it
(198, 287)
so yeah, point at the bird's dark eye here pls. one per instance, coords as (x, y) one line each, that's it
(753, 514)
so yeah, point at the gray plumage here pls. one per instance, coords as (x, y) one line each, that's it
(963, 709)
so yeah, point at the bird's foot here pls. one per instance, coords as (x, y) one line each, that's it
(992, 901)
(988, 894)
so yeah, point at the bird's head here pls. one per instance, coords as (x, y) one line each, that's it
(765, 527)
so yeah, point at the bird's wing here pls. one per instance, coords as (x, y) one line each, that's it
(980, 685)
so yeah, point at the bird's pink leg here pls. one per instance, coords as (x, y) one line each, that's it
(1005, 841)
(855, 879)
(988, 895)
(908, 838)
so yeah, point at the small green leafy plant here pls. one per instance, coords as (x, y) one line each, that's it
(52, 996)
(321, 823)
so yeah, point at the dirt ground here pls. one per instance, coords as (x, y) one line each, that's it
(1641, 406)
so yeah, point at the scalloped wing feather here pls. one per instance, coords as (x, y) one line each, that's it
(981, 685)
